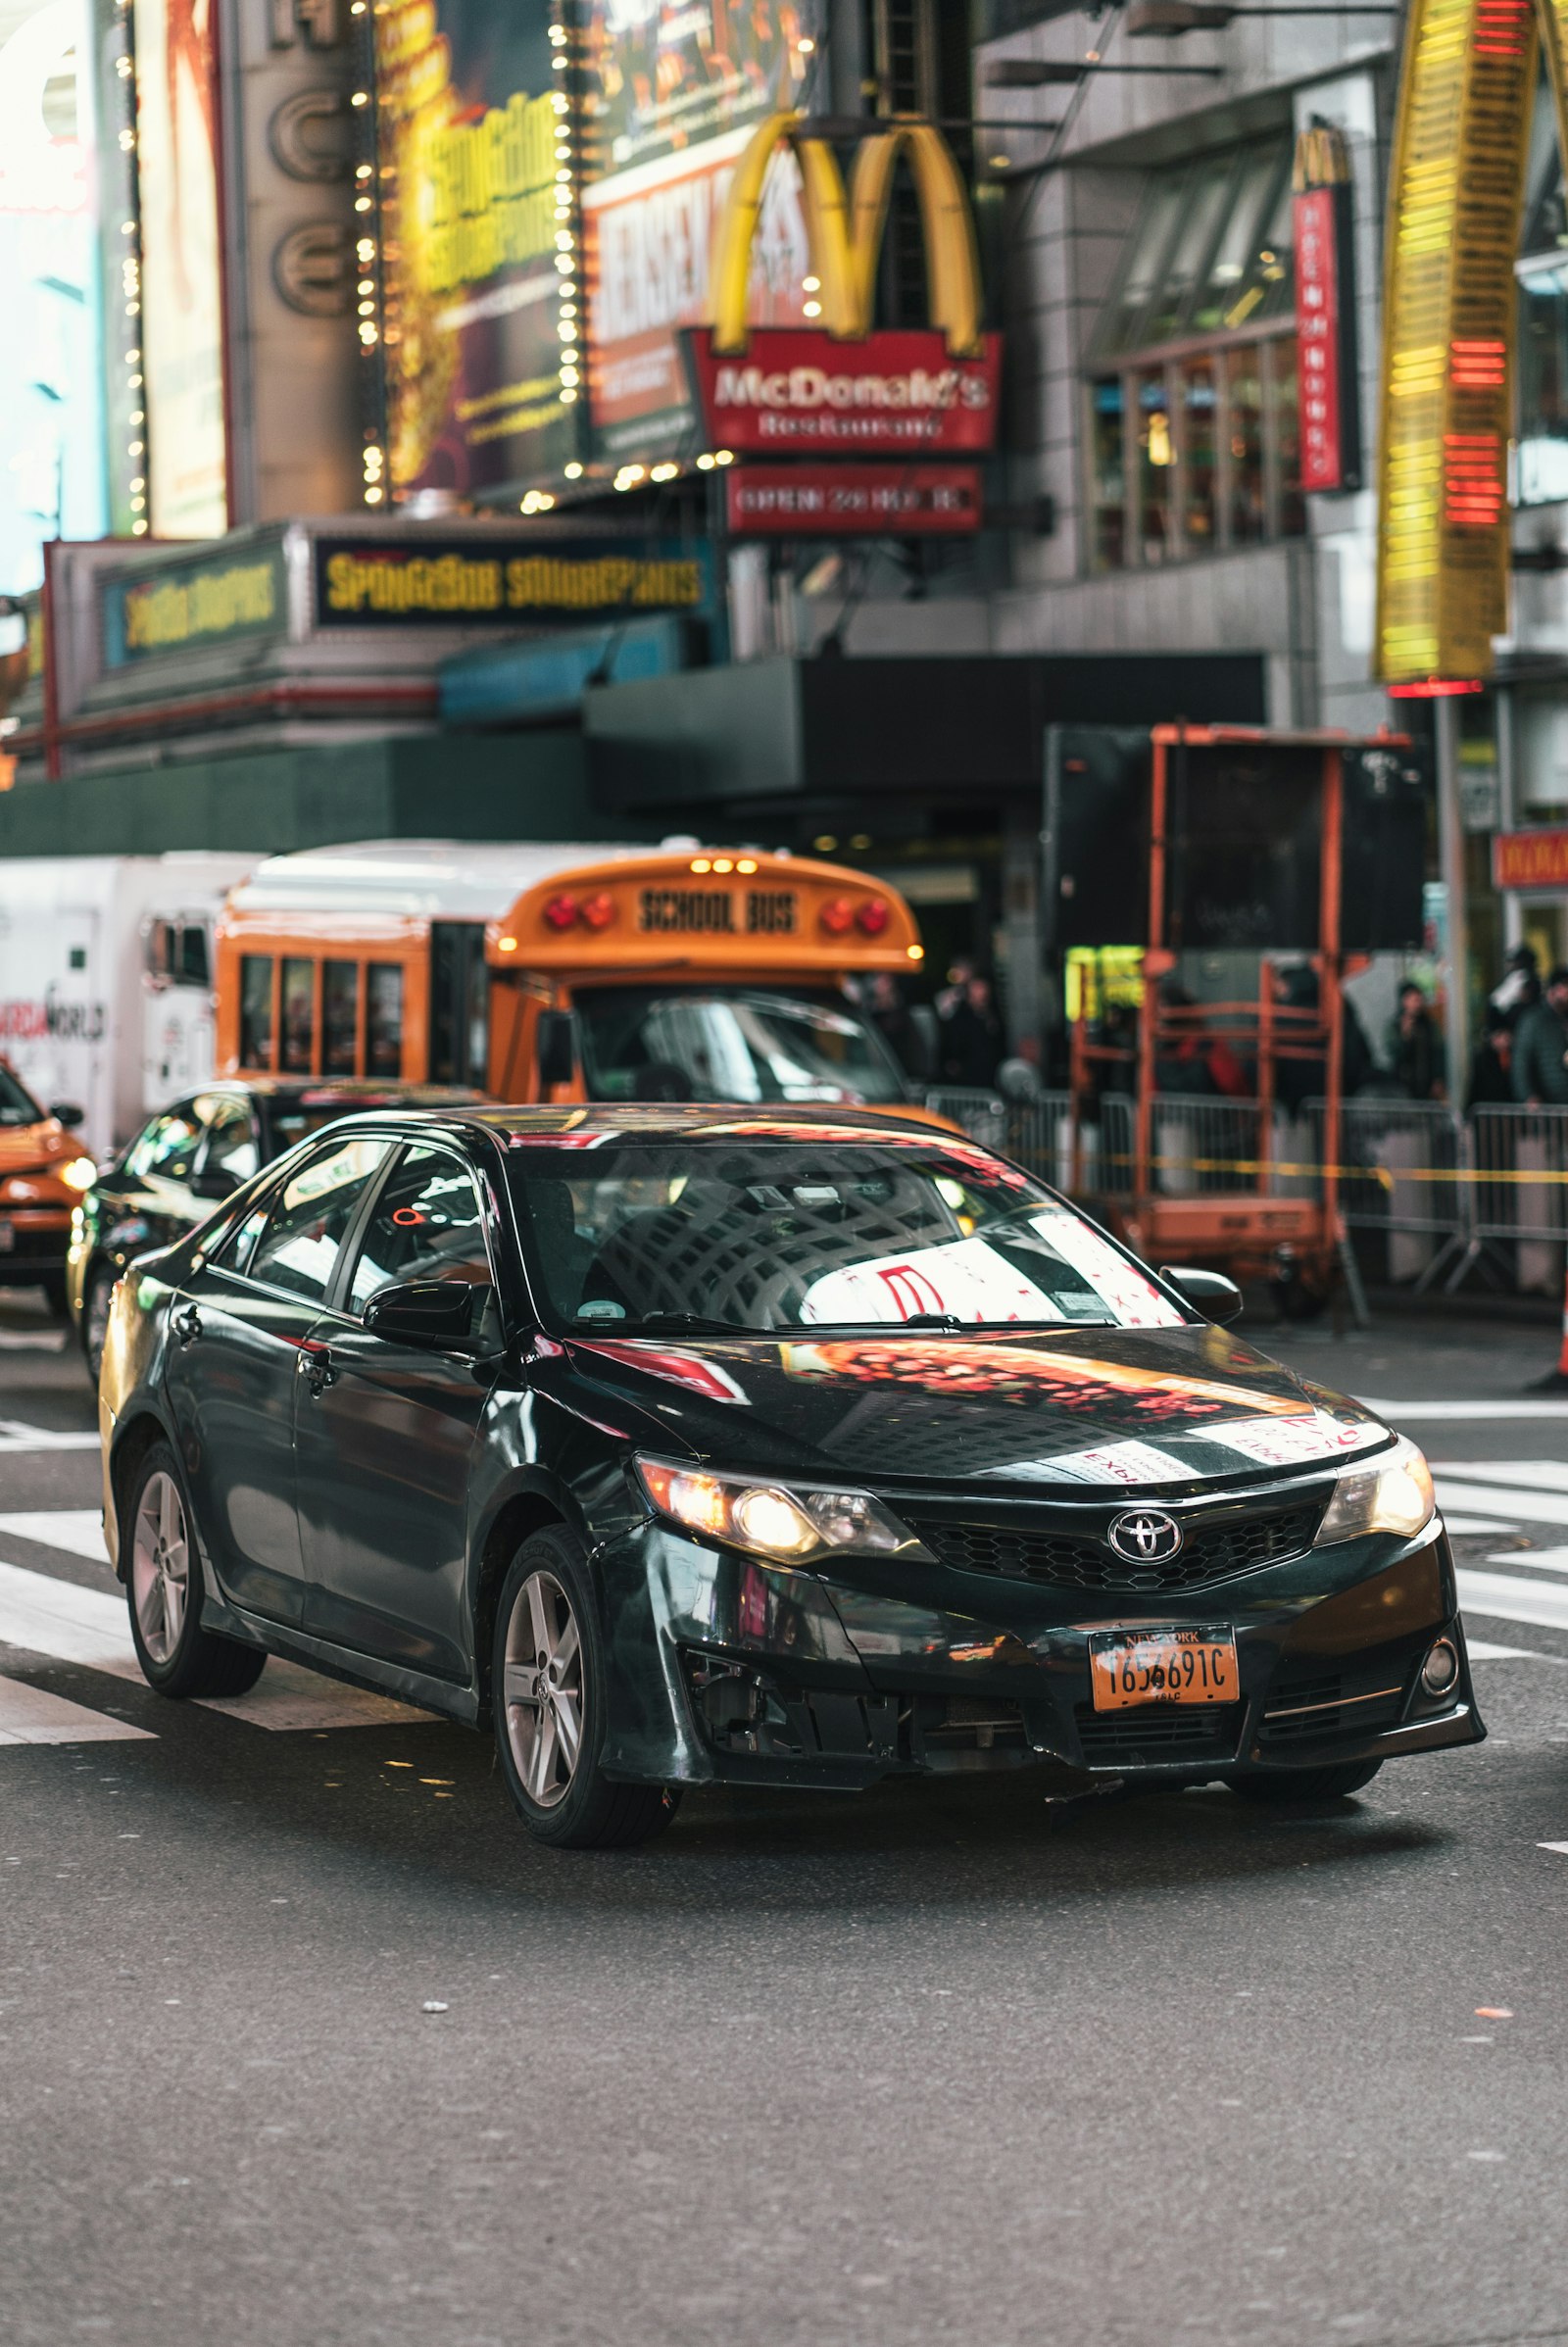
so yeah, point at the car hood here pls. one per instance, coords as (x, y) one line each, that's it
(37, 1149)
(1077, 1410)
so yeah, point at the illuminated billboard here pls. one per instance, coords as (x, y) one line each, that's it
(473, 170)
(670, 100)
(181, 301)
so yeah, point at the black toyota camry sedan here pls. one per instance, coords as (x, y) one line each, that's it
(781, 1448)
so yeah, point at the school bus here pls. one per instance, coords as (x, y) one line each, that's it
(563, 973)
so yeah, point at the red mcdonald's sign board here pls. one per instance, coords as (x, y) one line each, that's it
(1325, 338)
(1529, 859)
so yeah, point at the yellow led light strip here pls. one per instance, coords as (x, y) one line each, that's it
(1456, 194)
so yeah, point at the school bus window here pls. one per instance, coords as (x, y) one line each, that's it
(340, 1018)
(299, 1017)
(256, 1010)
(384, 1019)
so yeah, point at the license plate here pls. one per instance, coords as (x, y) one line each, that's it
(8, 1238)
(1162, 1666)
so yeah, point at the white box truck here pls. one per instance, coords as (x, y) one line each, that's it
(106, 985)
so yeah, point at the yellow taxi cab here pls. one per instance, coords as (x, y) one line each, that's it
(43, 1175)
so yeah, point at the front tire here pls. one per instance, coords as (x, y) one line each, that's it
(164, 1588)
(548, 1688)
(1290, 1789)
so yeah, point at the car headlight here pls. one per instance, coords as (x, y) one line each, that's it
(80, 1174)
(785, 1522)
(1391, 1493)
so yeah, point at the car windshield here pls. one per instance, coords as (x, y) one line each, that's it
(17, 1104)
(709, 1236)
(642, 1043)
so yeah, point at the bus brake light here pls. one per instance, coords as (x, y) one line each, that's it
(561, 912)
(599, 909)
(873, 918)
(836, 915)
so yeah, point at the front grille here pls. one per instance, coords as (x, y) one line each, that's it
(1209, 1554)
(1172, 1732)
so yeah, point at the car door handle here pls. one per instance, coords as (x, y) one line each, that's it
(316, 1368)
(188, 1325)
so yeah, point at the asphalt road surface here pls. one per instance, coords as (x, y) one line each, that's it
(302, 2044)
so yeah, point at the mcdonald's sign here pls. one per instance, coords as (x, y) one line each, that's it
(843, 387)
(1450, 311)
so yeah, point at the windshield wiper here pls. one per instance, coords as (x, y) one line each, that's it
(700, 1322)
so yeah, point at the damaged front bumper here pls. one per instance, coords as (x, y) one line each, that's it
(726, 1669)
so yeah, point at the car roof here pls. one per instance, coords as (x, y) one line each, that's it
(577, 1124)
(321, 1092)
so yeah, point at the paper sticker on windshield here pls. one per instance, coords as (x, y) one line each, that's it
(1289, 1442)
(1125, 1463)
(965, 1276)
(1130, 1292)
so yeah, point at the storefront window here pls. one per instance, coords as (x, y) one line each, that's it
(1243, 405)
(1200, 515)
(1287, 437)
(1217, 462)
(1155, 459)
(1107, 410)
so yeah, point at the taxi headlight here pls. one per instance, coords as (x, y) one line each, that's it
(80, 1174)
(784, 1521)
(1391, 1493)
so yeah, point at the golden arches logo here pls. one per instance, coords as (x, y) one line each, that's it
(1449, 325)
(845, 229)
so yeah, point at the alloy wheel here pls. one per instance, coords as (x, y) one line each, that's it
(159, 1566)
(542, 1694)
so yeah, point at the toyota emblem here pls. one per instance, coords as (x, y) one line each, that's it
(1145, 1536)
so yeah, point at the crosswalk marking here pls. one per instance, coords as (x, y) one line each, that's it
(1533, 1475)
(1475, 1523)
(31, 1715)
(1529, 1507)
(1459, 1412)
(1539, 1560)
(78, 1531)
(17, 1435)
(1506, 1599)
(87, 1627)
(1483, 1650)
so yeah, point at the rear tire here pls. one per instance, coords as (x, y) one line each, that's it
(548, 1693)
(164, 1590)
(1290, 1788)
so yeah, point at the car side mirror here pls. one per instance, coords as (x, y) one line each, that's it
(214, 1182)
(1207, 1291)
(557, 1045)
(67, 1114)
(435, 1313)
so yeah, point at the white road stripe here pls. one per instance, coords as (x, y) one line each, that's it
(1529, 1507)
(78, 1531)
(46, 1341)
(1539, 1560)
(1536, 1475)
(1561, 1848)
(88, 1627)
(1483, 1650)
(17, 1435)
(1463, 1524)
(1459, 1412)
(31, 1715)
(1505, 1598)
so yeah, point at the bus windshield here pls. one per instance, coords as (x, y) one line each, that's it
(724, 1043)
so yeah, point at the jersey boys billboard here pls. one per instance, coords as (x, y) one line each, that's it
(672, 96)
(472, 140)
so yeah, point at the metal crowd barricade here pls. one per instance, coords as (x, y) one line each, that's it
(1519, 1197)
(1403, 1176)
(983, 1115)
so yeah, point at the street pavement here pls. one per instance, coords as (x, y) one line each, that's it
(302, 2042)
